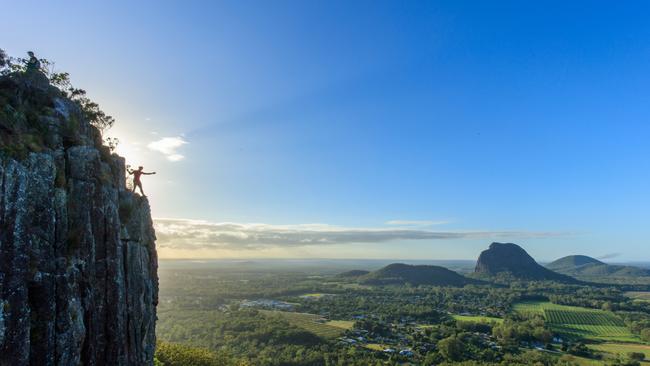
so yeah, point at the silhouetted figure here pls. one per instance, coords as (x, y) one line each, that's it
(136, 178)
(33, 64)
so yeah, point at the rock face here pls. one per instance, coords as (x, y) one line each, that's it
(78, 264)
(511, 259)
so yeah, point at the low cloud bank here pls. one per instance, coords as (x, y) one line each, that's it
(198, 234)
(415, 222)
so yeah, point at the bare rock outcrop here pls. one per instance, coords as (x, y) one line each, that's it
(513, 260)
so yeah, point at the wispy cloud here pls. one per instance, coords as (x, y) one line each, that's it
(198, 234)
(168, 146)
(415, 222)
(609, 256)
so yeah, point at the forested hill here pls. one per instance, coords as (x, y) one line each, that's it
(353, 273)
(401, 274)
(584, 266)
(78, 265)
(572, 261)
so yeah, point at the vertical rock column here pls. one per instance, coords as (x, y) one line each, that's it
(78, 264)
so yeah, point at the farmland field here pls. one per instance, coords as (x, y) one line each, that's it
(375, 346)
(315, 296)
(639, 295)
(311, 322)
(477, 319)
(573, 321)
(343, 324)
(621, 348)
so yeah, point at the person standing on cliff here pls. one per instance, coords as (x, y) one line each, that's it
(136, 178)
(33, 64)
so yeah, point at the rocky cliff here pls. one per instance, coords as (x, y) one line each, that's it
(511, 259)
(78, 265)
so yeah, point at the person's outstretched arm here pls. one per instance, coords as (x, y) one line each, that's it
(148, 173)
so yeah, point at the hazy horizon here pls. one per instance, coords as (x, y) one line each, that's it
(641, 263)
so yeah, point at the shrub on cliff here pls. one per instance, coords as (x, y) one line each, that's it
(16, 68)
(3, 59)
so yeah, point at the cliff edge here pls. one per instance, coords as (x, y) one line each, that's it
(78, 264)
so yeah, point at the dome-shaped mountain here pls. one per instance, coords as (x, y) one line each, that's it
(573, 261)
(353, 273)
(400, 273)
(512, 259)
(584, 266)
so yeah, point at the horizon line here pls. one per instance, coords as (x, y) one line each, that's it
(361, 259)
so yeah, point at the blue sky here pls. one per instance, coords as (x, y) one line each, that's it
(370, 128)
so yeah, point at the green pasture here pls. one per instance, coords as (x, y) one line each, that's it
(315, 296)
(477, 319)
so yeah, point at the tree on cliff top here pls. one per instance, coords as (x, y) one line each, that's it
(3, 59)
(18, 66)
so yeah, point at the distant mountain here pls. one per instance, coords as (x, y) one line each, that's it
(509, 258)
(353, 273)
(573, 261)
(584, 266)
(400, 274)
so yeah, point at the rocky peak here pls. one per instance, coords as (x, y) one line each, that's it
(502, 257)
(512, 259)
(78, 264)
